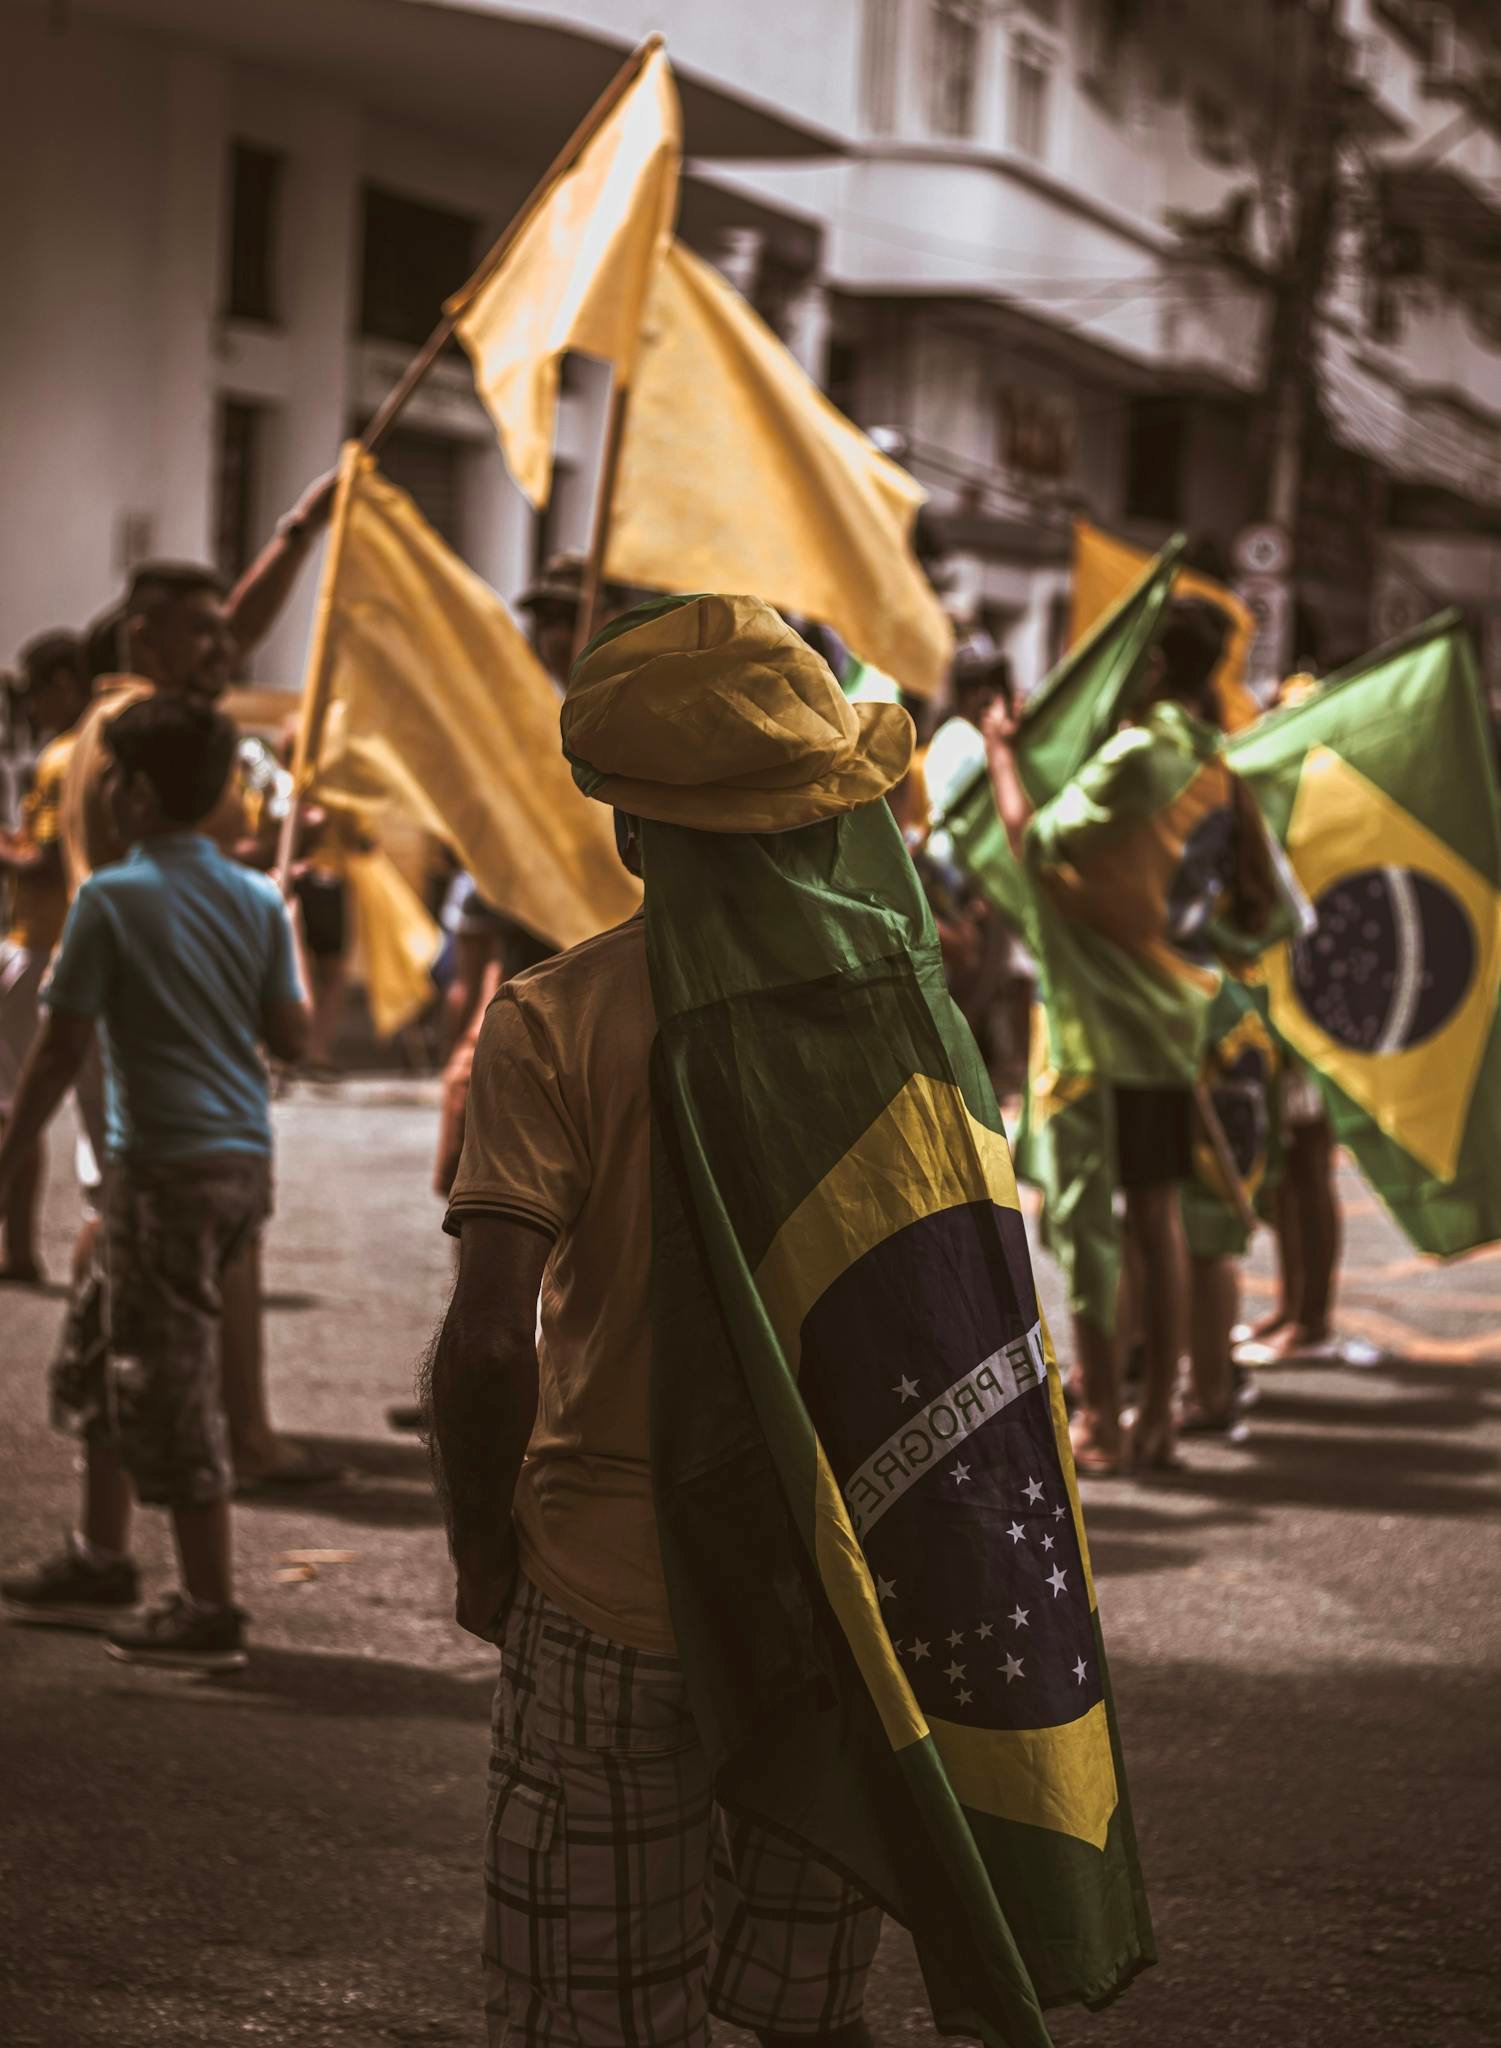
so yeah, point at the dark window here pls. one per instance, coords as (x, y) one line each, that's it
(235, 485)
(254, 222)
(429, 468)
(1156, 435)
(414, 256)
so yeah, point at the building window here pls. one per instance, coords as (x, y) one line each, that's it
(1156, 441)
(413, 256)
(1030, 83)
(883, 19)
(955, 61)
(253, 233)
(235, 482)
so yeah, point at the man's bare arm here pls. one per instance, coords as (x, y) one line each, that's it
(255, 604)
(483, 1392)
(1011, 800)
(56, 1055)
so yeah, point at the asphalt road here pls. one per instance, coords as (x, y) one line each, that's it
(1303, 1638)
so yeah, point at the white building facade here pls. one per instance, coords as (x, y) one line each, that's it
(1040, 237)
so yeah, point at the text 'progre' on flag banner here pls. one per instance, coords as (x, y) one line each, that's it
(737, 474)
(577, 275)
(1382, 788)
(436, 706)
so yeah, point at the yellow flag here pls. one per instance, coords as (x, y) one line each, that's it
(1105, 569)
(736, 474)
(398, 941)
(576, 277)
(437, 706)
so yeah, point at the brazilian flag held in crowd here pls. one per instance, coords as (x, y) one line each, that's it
(870, 1525)
(1382, 788)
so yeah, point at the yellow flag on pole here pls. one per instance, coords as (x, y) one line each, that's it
(1105, 569)
(577, 275)
(425, 697)
(737, 474)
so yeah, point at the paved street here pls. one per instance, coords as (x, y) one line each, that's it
(1304, 1648)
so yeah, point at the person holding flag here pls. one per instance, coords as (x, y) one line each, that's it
(1151, 856)
(772, 1507)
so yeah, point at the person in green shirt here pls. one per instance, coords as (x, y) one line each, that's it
(1154, 862)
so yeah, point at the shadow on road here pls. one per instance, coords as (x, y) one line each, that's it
(325, 1682)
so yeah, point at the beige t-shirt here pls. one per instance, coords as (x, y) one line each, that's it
(558, 1134)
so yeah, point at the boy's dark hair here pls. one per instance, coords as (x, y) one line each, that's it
(156, 584)
(1192, 642)
(103, 653)
(184, 748)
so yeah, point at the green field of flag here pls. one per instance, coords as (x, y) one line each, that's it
(879, 1576)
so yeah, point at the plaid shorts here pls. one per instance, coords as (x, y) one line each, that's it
(139, 1364)
(623, 1905)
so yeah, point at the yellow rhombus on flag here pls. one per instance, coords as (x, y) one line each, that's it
(437, 705)
(1104, 570)
(737, 474)
(577, 275)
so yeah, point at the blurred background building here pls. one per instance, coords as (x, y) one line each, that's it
(1234, 269)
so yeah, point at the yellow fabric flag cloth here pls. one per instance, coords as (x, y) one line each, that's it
(577, 275)
(438, 707)
(1105, 569)
(397, 939)
(736, 473)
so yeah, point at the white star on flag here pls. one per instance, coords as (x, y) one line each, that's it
(954, 1673)
(965, 1697)
(1047, 1542)
(1012, 1667)
(984, 1631)
(961, 1475)
(1018, 1615)
(906, 1388)
(1016, 1532)
(885, 1588)
(1034, 1490)
(1058, 1514)
(1079, 1670)
(919, 1651)
(1056, 1580)
(955, 1640)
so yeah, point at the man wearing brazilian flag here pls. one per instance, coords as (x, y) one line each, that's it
(770, 1503)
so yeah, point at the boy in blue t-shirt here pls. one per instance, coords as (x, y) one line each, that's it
(189, 964)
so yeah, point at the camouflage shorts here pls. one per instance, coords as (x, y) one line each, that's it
(139, 1365)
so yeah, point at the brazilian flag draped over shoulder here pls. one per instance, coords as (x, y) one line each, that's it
(1382, 789)
(869, 1520)
(1067, 1142)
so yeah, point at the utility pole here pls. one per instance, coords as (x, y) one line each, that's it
(1266, 554)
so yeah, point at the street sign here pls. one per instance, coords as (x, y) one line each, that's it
(1262, 550)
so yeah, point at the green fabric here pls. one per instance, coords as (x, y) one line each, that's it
(1411, 721)
(1074, 710)
(799, 992)
(1241, 1071)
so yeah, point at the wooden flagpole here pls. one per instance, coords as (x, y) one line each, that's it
(604, 498)
(320, 664)
(395, 401)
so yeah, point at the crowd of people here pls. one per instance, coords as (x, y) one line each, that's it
(142, 912)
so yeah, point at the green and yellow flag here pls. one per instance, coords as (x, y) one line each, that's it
(736, 473)
(1106, 567)
(424, 697)
(1241, 1067)
(1382, 788)
(871, 1530)
(577, 275)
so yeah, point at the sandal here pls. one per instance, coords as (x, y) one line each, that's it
(1091, 1459)
(1145, 1454)
(303, 1469)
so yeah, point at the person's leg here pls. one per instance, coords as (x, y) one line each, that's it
(19, 1260)
(1321, 1230)
(1214, 1290)
(793, 1941)
(1096, 1430)
(597, 1851)
(328, 1006)
(205, 1552)
(256, 1447)
(107, 1500)
(20, 980)
(1154, 1222)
